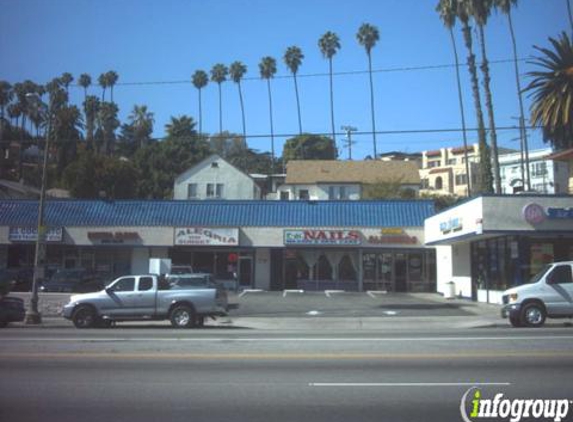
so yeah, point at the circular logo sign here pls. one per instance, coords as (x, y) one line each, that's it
(534, 214)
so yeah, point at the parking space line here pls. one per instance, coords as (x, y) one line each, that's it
(328, 293)
(286, 292)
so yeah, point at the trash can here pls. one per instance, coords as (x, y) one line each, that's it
(450, 292)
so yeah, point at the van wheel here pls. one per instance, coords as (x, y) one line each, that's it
(533, 315)
(182, 316)
(515, 321)
(84, 317)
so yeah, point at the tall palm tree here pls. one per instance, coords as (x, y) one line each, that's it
(447, 10)
(219, 74)
(329, 45)
(569, 13)
(104, 83)
(67, 79)
(480, 10)
(237, 70)
(552, 91)
(367, 37)
(180, 127)
(85, 81)
(484, 180)
(293, 59)
(91, 111)
(142, 122)
(268, 68)
(108, 123)
(200, 80)
(505, 7)
(6, 95)
(112, 78)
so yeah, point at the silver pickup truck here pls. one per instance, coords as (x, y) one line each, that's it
(549, 294)
(146, 297)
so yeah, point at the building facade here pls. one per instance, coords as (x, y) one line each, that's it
(492, 243)
(215, 178)
(270, 245)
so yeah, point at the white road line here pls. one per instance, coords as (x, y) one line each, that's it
(407, 384)
(286, 292)
(286, 339)
(244, 292)
(331, 292)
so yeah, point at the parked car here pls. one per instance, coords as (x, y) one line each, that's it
(146, 297)
(20, 279)
(77, 280)
(549, 294)
(11, 310)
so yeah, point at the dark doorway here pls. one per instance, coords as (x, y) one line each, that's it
(400, 273)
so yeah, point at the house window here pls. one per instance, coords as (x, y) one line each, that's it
(461, 179)
(452, 162)
(192, 191)
(439, 183)
(210, 190)
(285, 196)
(342, 192)
(331, 194)
(219, 190)
(539, 169)
(432, 164)
(425, 184)
(303, 194)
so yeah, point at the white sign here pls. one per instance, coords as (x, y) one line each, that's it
(30, 234)
(206, 236)
(322, 237)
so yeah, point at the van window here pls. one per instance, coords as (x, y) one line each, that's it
(561, 275)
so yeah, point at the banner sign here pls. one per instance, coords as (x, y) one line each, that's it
(30, 234)
(322, 237)
(206, 236)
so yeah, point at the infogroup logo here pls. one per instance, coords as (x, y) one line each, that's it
(474, 407)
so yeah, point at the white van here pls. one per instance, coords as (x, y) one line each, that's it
(549, 294)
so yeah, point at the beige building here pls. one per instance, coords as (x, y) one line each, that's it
(566, 157)
(444, 171)
(343, 180)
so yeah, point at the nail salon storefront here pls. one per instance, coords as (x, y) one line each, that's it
(491, 243)
(270, 245)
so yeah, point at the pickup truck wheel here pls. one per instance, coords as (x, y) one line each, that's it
(182, 316)
(84, 317)
(515, 321)
(533, 315)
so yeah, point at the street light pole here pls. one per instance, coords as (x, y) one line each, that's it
(349, 129)
(33, 316)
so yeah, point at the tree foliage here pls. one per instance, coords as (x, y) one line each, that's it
(387, 189)
(309, 147)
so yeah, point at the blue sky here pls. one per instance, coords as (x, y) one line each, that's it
(156, 45)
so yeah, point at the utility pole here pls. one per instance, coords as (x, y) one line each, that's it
(348, 142)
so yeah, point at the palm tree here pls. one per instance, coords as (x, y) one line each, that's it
(329, 45)
(293, 59)
(219, 74)
(112, 78)
(268, 68)
(108, 123)
(104, 83)
(505, 7)
(181, 127)
(85, 81)
(447, 10)
(6, 95)
(142, 122)
(552, 91)
(200, 81)
(480, 10)
(484, 180)
(67, 79)
(91, 111)
(367, 37)
(569, 13)
(237, 70)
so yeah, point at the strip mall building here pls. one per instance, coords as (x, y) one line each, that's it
(271, 245)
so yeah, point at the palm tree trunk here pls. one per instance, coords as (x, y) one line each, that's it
(462, 112)
(220, 110)
(372, 104)
(332, 102)
(242, 111)
(489, 106)
(485, 165)
(272, 129)
(297, 104)
(526, 181)
(200, 114)
(569, 13)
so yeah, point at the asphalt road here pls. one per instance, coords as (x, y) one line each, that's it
(162, 374)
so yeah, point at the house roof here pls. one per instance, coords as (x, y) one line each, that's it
(329, 171)
(564, 155)
(99, 213)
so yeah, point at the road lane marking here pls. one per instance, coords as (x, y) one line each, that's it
(283, 339)
(407, 384)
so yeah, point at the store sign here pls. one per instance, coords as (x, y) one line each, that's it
(206, 236)
(114, 238)
(396, 236)
(453, 224)
(30, 234)
(322, 237)
(536, 214)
